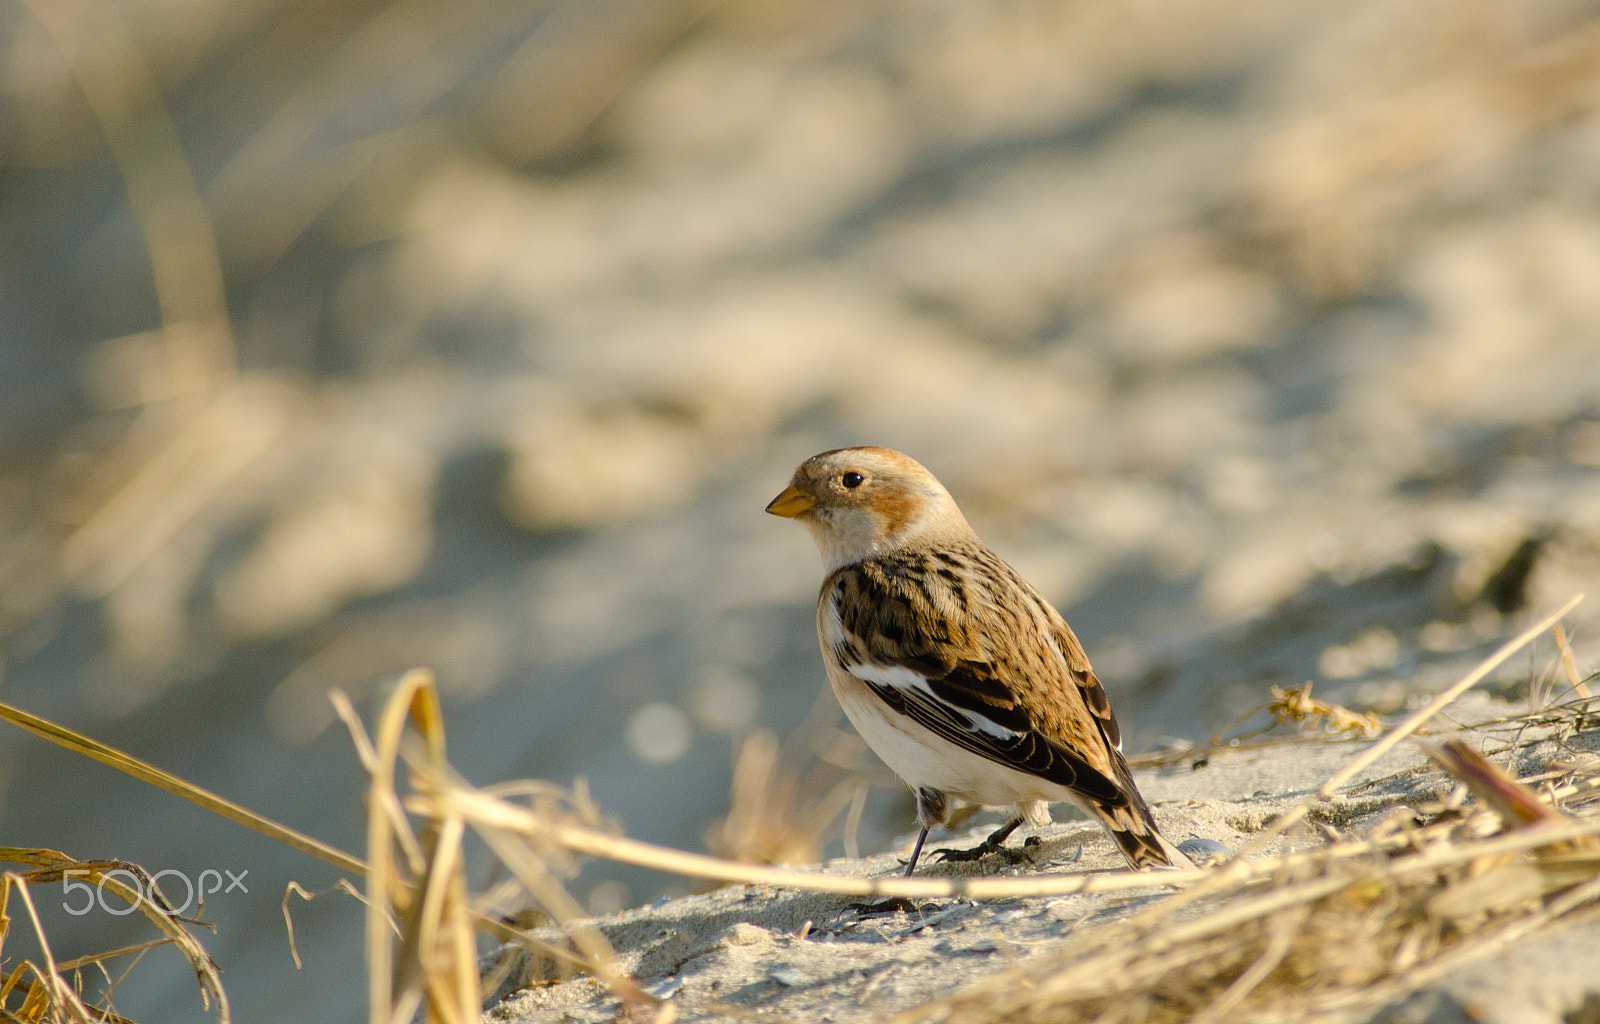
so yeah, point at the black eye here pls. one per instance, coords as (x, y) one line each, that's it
(852, 480)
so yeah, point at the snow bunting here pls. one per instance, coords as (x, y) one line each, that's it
(965, 681)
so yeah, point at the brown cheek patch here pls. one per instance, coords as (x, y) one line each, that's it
(897, 509)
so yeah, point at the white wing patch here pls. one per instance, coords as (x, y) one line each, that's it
(893, 675)
(832, 624)
(902, 678)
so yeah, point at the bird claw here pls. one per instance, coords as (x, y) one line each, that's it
(880, 908)
(1012, 855)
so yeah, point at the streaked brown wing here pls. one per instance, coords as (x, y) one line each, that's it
(1094, 695)
(1006, 736)
(940, 672)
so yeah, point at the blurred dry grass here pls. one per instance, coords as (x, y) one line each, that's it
(786, 798)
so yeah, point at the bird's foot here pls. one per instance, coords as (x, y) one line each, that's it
(1011, 854)
(883, 907)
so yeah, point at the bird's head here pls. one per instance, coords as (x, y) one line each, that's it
(860, 503)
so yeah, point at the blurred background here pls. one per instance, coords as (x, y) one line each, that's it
(346, 336)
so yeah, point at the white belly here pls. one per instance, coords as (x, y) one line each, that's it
(922, 758)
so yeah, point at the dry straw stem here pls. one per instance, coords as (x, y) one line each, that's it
(437, 958)
(296, 889)
(144, 771)
(52, 864)
(1331, 934)
(436, 962)
(411, 848)
(484, 810)
(49, 997)
(524, 836)
(535, 864)
(1569, 664)
(51, 867)
(1394, 737)
(1420, 718)
(599, 958)
(1242, 868)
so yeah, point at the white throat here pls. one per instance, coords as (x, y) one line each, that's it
(847, 536)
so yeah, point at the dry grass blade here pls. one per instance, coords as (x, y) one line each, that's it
(450, 932)
(1353, 925)
(1517, 805)
(484, 918)
(1423, 716)
(53, 868)
(52, 864)
(599, 957)
(445, 947)
(1496, 883)
(1416, 721)
(296, 889)
(535, 866)
(50, 992)
(1330, 932)
(1240, 868)
(486, 811)
(420, 880)
(1569, 664)
(436, 961)
(146, 772)
(48, 981)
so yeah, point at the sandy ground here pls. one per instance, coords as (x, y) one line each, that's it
(747, 952)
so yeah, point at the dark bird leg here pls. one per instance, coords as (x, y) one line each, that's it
(991, 845)
(932, 809)
(916, 851)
